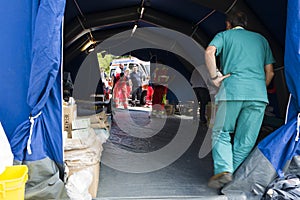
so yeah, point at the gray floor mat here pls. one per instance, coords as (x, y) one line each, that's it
(186, 178)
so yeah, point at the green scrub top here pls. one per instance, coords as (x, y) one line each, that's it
(243, 54)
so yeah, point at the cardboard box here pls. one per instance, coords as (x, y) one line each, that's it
(186, 108)
(81, 123)
(69, 114)
(81, 139)
(83, 151)
(169, 109)
(93, 189)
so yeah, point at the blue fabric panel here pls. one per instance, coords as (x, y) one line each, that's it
(15, 56)
(46, 52)
(292, 50)
(293, 109)
(280, 146)
(44, 92)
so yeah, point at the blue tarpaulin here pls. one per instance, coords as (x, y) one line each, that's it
(41, 135)
(16, 42)
(282, 145)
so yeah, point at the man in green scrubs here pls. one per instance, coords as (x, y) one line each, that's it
(246, 69)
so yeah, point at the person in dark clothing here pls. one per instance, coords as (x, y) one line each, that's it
(202, 94)
(136, 80)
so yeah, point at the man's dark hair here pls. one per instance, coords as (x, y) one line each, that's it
(237, 19)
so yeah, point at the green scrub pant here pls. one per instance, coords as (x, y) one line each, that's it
(244, 119)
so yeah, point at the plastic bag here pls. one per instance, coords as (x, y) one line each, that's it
(78, 185)
(286, 188)
(6, 155)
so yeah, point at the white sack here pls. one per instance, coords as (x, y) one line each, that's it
(6, 155)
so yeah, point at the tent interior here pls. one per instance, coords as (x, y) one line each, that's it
(198, 19)
(175, 31)
(111, 22)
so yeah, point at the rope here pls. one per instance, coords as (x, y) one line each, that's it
(298, 128)
(31, 119)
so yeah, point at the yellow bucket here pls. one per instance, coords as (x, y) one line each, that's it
(12, 182)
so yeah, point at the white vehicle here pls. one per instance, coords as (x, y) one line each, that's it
(143, 67)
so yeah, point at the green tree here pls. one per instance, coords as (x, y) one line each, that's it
(104, 61)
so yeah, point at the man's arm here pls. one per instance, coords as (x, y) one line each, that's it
(210, 59)
(269, 73)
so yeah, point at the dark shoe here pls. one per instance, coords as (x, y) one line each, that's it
(203, 120)
(219, 180)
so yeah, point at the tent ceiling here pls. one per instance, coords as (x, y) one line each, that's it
(200, 19)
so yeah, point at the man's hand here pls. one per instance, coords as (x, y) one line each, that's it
(217, 82)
